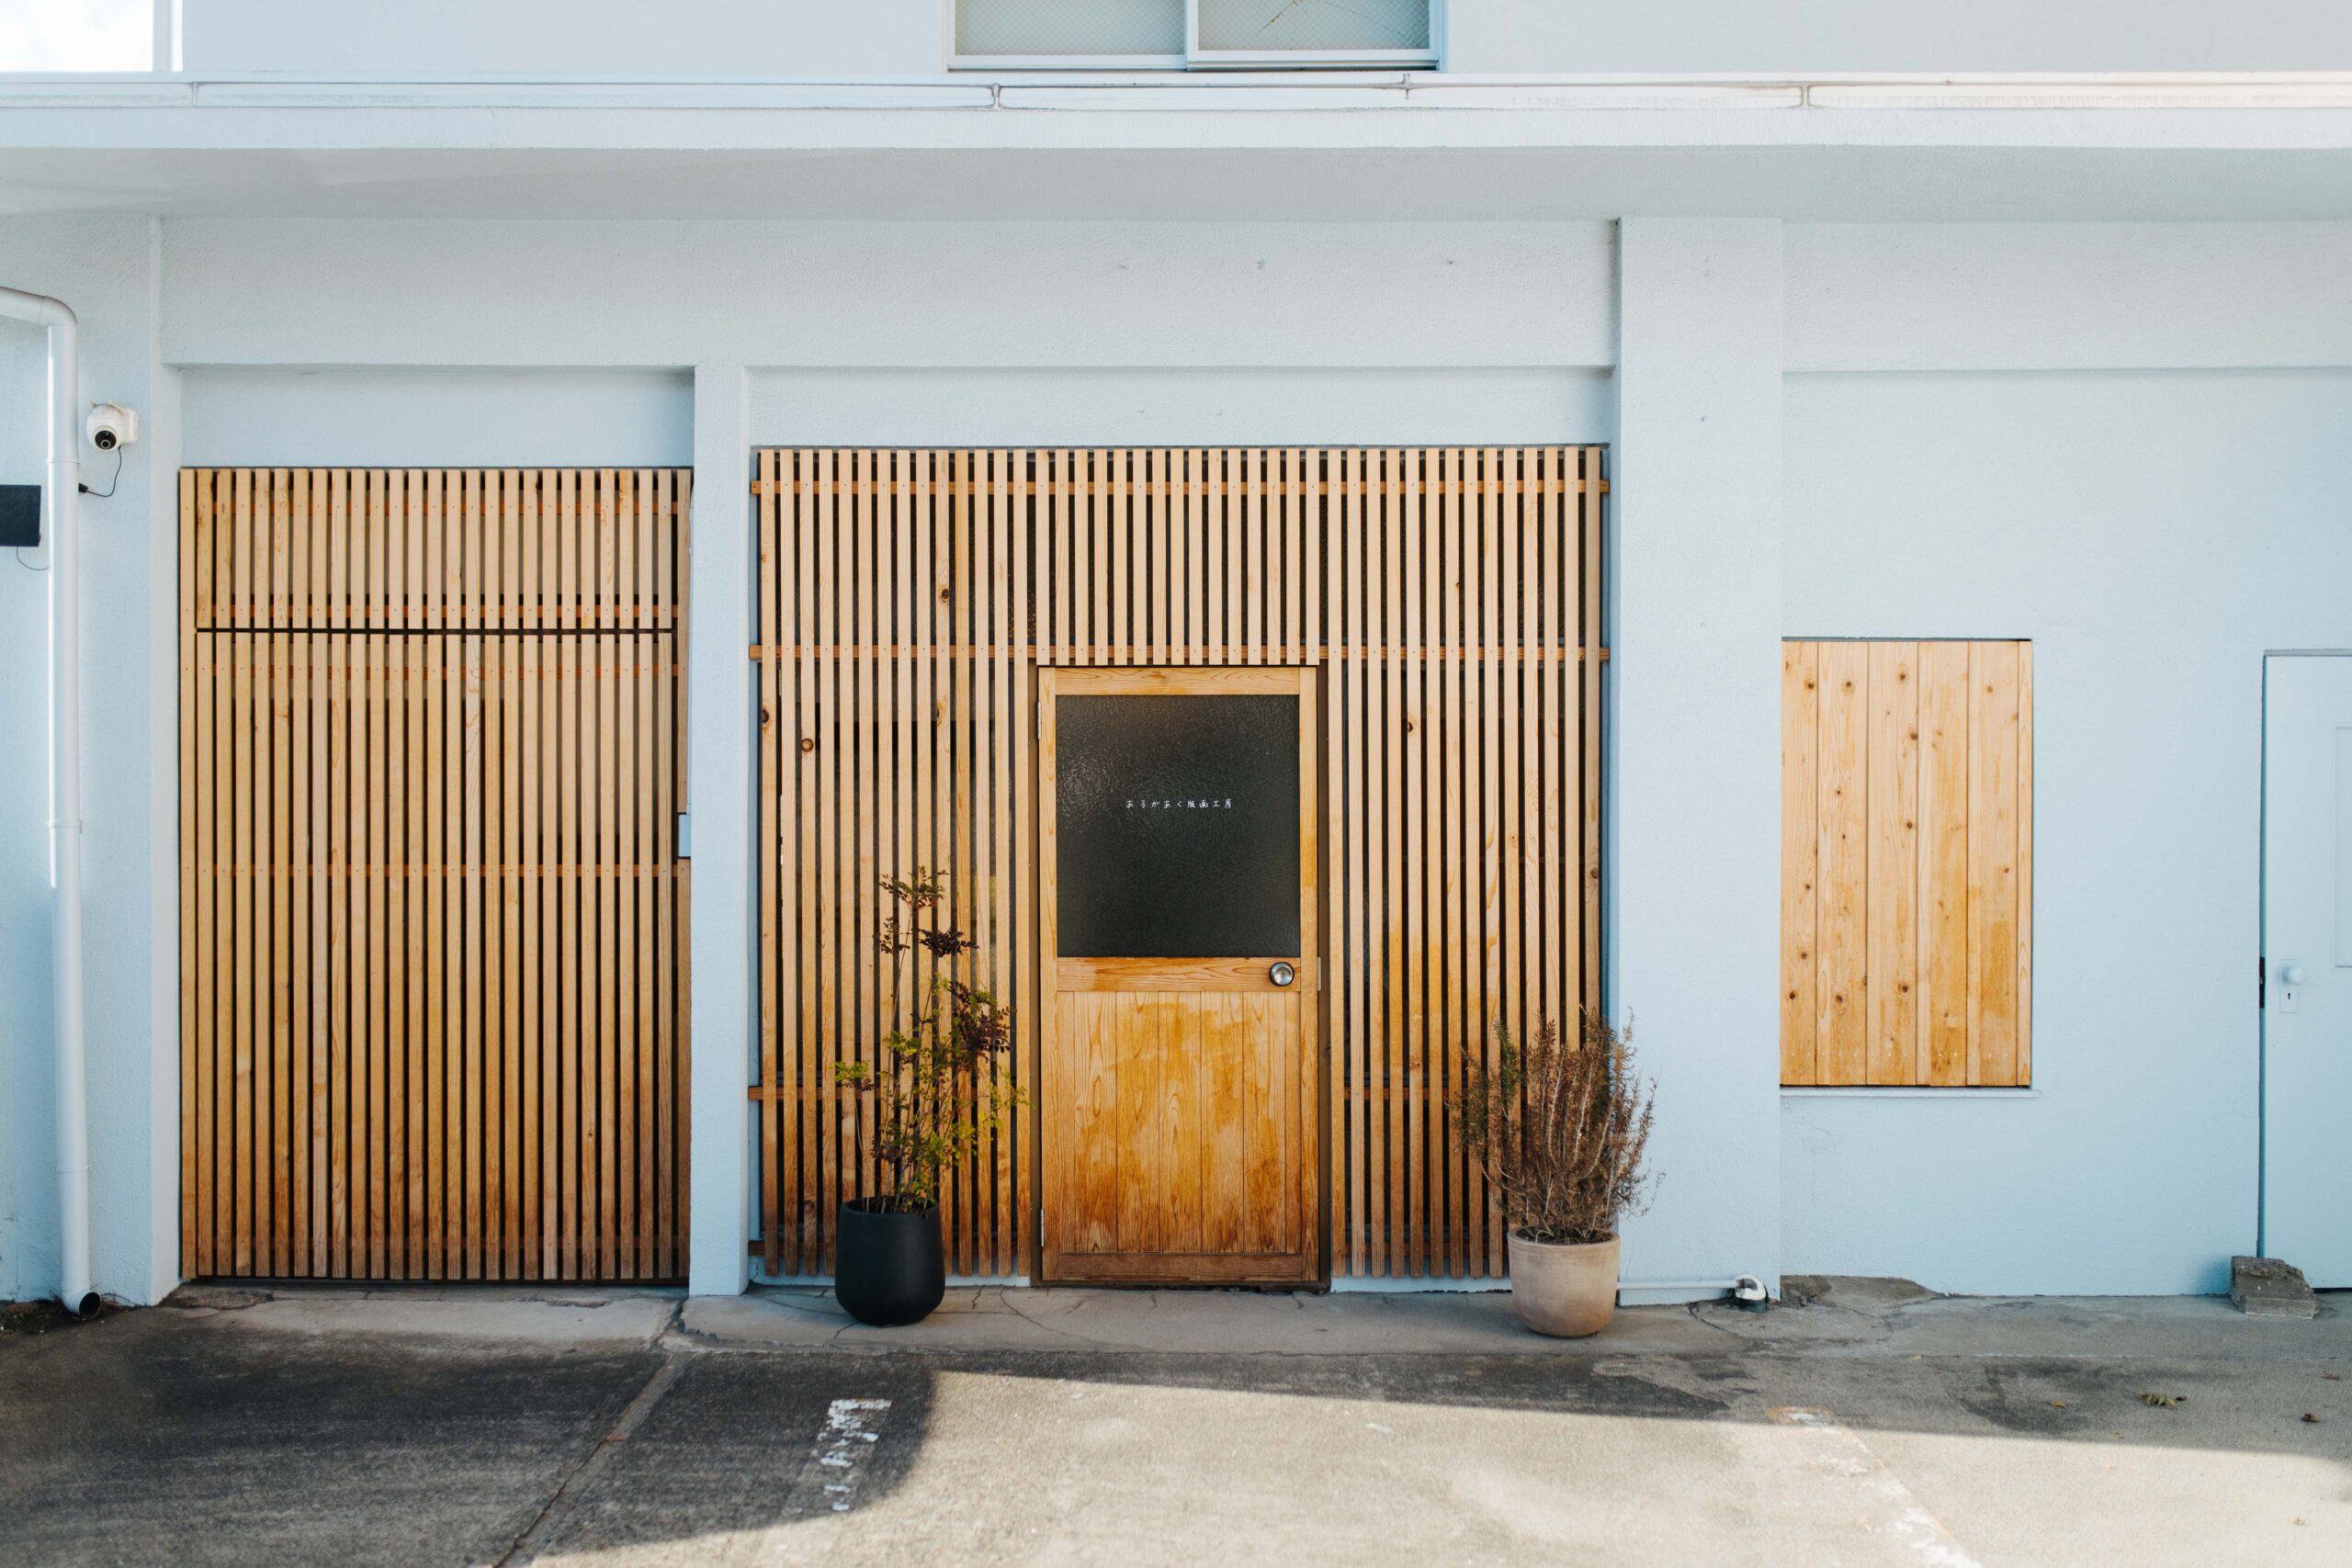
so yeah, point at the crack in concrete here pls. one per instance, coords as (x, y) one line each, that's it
(1016, 1308)
(592, 1464)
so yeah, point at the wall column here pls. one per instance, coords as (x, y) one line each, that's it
(1694, 790)
(723, 577)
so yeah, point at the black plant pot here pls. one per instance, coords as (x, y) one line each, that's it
(890, 1266)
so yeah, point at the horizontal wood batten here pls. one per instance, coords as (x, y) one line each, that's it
(1031, 489)
(1053, 653)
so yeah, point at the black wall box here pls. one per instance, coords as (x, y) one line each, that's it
(19, 515)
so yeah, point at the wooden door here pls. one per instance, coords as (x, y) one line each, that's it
(1180, 1122)
(432, 916)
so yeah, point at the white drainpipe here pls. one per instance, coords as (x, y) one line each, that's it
(63, 534)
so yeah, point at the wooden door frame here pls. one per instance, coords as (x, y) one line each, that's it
(1304, 681)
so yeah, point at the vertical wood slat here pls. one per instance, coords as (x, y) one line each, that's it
(1907, 858)
(383, 675)
(1445, 588)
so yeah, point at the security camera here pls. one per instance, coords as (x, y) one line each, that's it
(110, 425)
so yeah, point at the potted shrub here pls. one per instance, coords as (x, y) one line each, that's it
(938, 1086)
(1560, 1132)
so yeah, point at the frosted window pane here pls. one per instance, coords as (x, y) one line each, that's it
(1069, 27)
(1177, 820)
(1315, 24)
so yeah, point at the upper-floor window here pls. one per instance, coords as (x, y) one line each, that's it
(1177, 34)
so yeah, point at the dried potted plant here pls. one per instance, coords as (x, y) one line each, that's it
(1560, 1131)
(939, 1084)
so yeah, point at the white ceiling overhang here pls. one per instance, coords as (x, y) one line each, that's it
(1348, 148)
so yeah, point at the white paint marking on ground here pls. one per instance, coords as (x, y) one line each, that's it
(1892, 1512)
(848, 1438)
(827, 1485)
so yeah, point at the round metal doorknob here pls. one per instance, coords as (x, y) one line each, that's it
(1282, 974)
(2290, 973)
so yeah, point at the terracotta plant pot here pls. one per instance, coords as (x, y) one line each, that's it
(1566, 1290)
(889, 1267)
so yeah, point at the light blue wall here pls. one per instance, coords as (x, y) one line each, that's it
(346, 416)
(2153, 533)
(104, 269)
(1692, 781)
(2125, 441)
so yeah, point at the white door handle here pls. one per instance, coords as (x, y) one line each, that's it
(2292, 974)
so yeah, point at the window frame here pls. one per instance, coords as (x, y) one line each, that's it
(1196, 59)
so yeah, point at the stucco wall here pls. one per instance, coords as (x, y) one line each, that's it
(2153, 533)
(670, 293)
(366, 416)
(2127, 443)
(536, 343)
(104, 269)
(2166, 400)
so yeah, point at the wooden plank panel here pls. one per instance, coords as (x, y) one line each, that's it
(1891, 916)
(1942, 900)
(1006, 729)
(574, 739)
(1563, 940)
(833, 741)
(2023, 1070)
(1942, 886)
(418, 957)
(278, 857)
(1367, 1132)
(1992, 900)
(778, 1119)
(1095, 1025)
(1143, 1172)
(609, 851)
(1401, 506)
(1800, 859)
(1590, 652)
(1488, 1008)
(1843, 833)
(245, 951)
(1453, 986)
(649, 838)
(200, 870)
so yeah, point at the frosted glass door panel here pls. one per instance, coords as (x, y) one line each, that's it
(1179, 827)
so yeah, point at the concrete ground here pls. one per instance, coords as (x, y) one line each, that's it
(1874, 1425)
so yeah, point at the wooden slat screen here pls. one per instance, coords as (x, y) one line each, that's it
(1451, 600)
(434, 990)
(1906, 863)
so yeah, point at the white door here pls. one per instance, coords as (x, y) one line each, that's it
(2307, 947)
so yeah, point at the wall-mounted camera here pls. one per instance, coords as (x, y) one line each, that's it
(111, 427)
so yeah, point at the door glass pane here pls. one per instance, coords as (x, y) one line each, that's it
(1069, 27)
(1178, 820)
(1315, 24)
